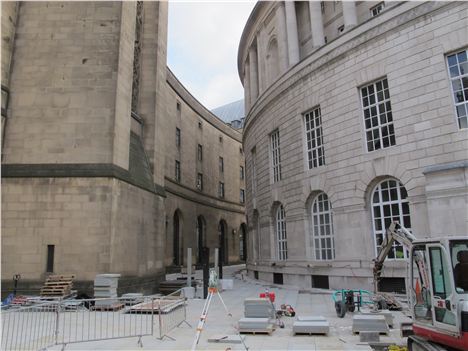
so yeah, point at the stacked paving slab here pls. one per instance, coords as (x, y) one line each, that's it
(311, 325)
(105, 287)
(259, 316)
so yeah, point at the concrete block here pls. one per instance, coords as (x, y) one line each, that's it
(311, 327)
(386, 313)
(310, 318)
(370, 323)
(369, 336)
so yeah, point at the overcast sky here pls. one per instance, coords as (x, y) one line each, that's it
(202, 44)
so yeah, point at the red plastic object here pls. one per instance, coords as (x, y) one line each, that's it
(270, 295)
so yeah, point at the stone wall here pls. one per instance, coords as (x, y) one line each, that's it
(408, 45)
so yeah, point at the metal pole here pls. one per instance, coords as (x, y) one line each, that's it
(189, 267)
(216, 260)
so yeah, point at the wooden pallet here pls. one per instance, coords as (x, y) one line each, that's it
(256, 331)
(57, 285)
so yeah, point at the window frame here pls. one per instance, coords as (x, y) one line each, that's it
(178, 137)
(389, 125)
(177, 171)
(319, 227)
(221, 164)
(275, 155)
(400, 202)
(376, 7)
(242, 196)
(310, 117)
(200, 153)
(281, 233)
(463, 90)
(221, 192)
(242, 172)
(199, 184)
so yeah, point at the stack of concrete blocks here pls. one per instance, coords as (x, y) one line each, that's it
(131, 299)
(311, 325)
(259, 316)
(105, 287)
(370, 323)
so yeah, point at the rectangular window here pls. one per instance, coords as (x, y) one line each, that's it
(221, 165)
(242, 175)
(314, 138)
(275, 155)
(374, 11)
(177, 137)
(177, 170)
(253, 153)
(242, 196)
(221, 190)
(200, 153)
(50, 258)
(200, 182)
(378, 119)
(458, 70)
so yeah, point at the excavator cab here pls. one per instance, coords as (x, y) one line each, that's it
(439, 290)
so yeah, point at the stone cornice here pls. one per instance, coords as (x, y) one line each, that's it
(76, 170)
(201, 198)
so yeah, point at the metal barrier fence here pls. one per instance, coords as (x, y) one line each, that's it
(172, 312)
(64, 322)
(29, 328)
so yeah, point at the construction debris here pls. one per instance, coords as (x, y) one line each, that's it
(105, 287)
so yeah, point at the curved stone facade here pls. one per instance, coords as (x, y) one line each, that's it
(354, 118)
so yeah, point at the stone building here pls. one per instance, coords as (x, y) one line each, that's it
(108, 164)
(356, 115)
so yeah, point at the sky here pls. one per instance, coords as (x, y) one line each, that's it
(203, 38)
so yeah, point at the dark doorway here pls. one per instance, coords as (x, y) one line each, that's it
(223, 242)
(177, 258)
(200, 238)
(320, 282)
(243, 243)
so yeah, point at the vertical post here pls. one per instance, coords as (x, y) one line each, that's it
(216, 260)
(282, 41)
(206, 270)
(253, 66)
(189, 267)
(161, 335)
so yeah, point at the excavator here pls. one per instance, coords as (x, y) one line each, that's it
(437, 285)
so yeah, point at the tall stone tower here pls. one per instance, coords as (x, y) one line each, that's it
(82, 180)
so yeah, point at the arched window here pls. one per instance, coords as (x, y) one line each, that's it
(281, 238)
(389, 203)
(200, 237)
(322, 231)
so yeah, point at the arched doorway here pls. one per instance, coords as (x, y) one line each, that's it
(200, 237)
(223, 242)
(243, 242)
(176, 244)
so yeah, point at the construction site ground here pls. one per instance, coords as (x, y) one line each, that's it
(305, 302)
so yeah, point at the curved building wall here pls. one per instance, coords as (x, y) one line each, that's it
(198, 126)
(353, 131)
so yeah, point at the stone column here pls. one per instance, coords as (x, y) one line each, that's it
(316, 23)
(349, 14)
(246, 87)
(281, 34)
(253, 64)
(291, 30)
(261, 52)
